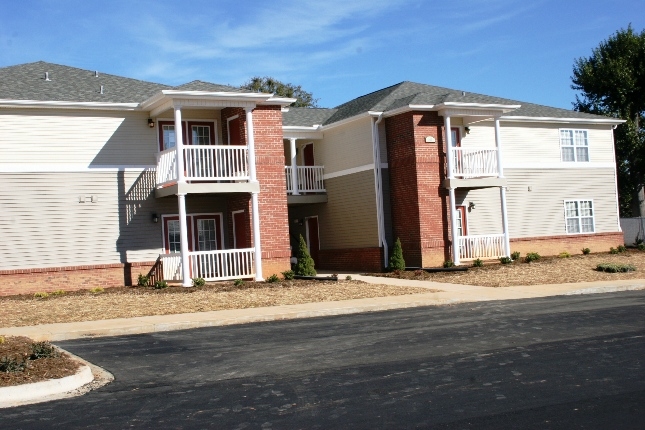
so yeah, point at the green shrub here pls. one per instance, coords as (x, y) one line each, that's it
(396, 259)
(42, 350)
(586, 251)
(641, 246)
(199, 282)
(613, 251)
(143, 280)
(505, 260)
(348, 278)
(41, 295)
(238, 282)
(615, 268)
(96, 290)
(478, 263)
(448, 263)
(564, 254)
(515, 255)
(160, 285)
(10, 364)
(621, 248)
(532, 256)
(272, 279)
(288, 274)
(305, 264)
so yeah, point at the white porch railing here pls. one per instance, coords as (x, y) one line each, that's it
(211, 265)
(481, 246)
(310, 179)
(204, 163)
(472, 163)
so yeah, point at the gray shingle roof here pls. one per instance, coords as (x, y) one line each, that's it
(306, 116)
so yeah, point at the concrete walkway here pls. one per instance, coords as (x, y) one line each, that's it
(450, 294)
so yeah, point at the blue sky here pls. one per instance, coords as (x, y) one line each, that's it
(523, 50)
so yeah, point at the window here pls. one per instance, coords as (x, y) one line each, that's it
(579, 216)
(574, 145)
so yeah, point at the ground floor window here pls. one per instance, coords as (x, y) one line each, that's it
(579, 216)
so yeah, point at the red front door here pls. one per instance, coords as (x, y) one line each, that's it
(312, 238)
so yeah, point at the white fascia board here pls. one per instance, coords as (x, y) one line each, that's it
(610, 121)
(68, 105)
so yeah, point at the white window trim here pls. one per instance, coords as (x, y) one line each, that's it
(593, 216)
(575, 154)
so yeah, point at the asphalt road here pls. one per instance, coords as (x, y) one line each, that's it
(560, 362)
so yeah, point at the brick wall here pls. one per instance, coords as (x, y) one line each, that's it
(29, 281)
(573, 244)
(418, 200)
(352, 260)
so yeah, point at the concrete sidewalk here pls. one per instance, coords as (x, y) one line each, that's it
(450, 294)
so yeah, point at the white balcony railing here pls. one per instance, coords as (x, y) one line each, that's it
(204, 163)
(310, 179)
(473, 163)
(481, 246)
(211, 265)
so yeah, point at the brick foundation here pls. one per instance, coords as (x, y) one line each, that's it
(29, 281)
(573, 244)
(351, 260)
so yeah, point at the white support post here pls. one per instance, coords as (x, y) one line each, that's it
(294, 167)
(183, 234)
(453, 228)
(449, 154)
(498, 144)
(507, 241)
(255, 206)
(179, 145)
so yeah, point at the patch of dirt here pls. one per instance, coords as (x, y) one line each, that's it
(18, 349)
(547, 270)
(127, 302)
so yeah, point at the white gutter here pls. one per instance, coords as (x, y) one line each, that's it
(378, 185)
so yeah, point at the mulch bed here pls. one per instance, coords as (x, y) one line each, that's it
(547, 270)
(19, 349)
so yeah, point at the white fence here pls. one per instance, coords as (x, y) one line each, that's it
(472, 163)
(310, 179)
(481, 246)
(211, 265)
(204, 163)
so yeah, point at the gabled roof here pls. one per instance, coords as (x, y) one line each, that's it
(411, 93)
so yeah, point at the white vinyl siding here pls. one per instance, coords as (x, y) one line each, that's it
(574, 145)
(579, 216)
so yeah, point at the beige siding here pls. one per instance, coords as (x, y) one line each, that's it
(486, 217)
(73, 137)
(540, 212)
(44, 225)
(346, 146)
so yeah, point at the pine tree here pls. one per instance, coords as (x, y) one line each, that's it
(305, 265)
(396, 259)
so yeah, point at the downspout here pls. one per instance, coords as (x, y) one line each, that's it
(378, 187)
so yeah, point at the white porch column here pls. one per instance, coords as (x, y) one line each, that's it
(294, 167)
(502, 190)
(183, 234)
(255, 206)
(498, 144)
(179, 145)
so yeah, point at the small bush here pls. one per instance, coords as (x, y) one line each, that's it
(532, 256)
(238, 282)
(160, 285)
(396, 259)
(348, 278)
(41, 295)
(505, 260)
(641, 246)
(613, 251)
(621, 248)
(564, 254)
(615, 268)
(10, 364)
(143, 280)
(586, 251)
(478, 263)
(42, 350)
(515, 255)
(288, 274)
(96, 290)
(448, 263)
(272, 279)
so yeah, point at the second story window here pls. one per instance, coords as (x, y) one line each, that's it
(574, 145)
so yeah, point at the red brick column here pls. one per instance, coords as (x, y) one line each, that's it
(419, 202)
